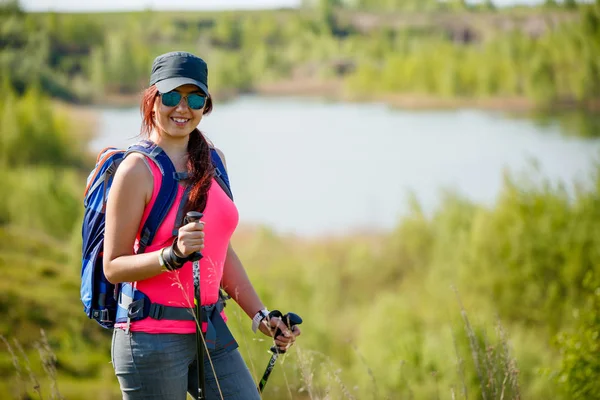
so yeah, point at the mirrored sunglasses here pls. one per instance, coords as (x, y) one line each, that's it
(194, 100)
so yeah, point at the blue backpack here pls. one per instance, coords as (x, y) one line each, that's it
(100, 298)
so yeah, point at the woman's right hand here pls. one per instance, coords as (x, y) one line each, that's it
(190, 238)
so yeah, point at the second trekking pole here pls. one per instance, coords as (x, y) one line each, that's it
(194, 216)
(290, 319)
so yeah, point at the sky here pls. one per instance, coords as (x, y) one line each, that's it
(118, 5)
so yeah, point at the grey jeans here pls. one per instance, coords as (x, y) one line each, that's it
(163, 366)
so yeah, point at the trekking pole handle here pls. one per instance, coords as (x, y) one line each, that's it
(290, 319)
(193, 216)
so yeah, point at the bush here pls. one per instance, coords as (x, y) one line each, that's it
(580, 350)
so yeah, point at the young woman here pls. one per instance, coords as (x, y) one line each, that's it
(154, 356)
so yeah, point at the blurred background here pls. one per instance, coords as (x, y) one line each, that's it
(418, 179)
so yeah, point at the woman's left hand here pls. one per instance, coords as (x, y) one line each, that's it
(286, 337)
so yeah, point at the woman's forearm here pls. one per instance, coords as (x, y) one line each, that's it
(132, 268)
(237, 284)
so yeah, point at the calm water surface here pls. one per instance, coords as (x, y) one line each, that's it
(311, 167)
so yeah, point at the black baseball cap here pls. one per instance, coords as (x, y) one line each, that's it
(177, 68)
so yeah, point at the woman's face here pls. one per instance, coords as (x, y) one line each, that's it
(178, 120)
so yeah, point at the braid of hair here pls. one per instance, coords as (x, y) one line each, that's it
(200, 170)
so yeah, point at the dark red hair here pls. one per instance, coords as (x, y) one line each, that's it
(200, 168)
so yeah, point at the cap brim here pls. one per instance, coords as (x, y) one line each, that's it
(169, 84)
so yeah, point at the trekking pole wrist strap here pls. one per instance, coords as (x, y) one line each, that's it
(177, 252)
(172, 261)
(172, 257)
(161, 260)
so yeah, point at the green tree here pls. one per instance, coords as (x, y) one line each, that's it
(96, 73)
(489, 5)
(227, 32)
(327, 14)
(10, 7)
(458, 4)
(570, 4)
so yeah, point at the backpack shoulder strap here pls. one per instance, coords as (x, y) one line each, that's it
(166, 193)
(103, 166)
(220, 172)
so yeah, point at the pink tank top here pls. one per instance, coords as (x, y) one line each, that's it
(176, 288)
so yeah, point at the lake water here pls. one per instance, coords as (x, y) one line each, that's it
(312, 167)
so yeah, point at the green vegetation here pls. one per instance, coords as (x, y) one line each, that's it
(493, 302)
(42, 169)
(580, 362)
(546, 55)
(529, 262)
(472, 302)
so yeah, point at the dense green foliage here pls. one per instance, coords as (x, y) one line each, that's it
(34, 134)
(41, 170)
(548, 56)
(473, 301)
(559, 65)
(580, 361)
(422, 5)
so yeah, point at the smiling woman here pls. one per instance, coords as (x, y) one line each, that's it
(160, 355)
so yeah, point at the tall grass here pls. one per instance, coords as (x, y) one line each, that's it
(21, 362)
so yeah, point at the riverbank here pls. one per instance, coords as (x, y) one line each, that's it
(333, 90)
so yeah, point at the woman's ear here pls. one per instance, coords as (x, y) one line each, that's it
(155, 107)
(208, 106)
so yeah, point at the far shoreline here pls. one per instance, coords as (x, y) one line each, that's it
(332, 90)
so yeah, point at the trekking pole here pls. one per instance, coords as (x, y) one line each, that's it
(194, 216)
(290, 320)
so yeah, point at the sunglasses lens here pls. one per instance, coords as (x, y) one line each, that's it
(171, 99)
(195, 101)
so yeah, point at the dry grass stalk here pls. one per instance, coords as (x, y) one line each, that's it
(177, 282)
(510, 363)
(490, 367)
(460, 366)
(304, 361)
(473, 345)
(49, 363)
(437, 385)
(338, 380)
(17, 365)
(34, 381)
(369, 371)
(503, 386)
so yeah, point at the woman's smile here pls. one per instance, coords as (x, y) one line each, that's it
(180, 121)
